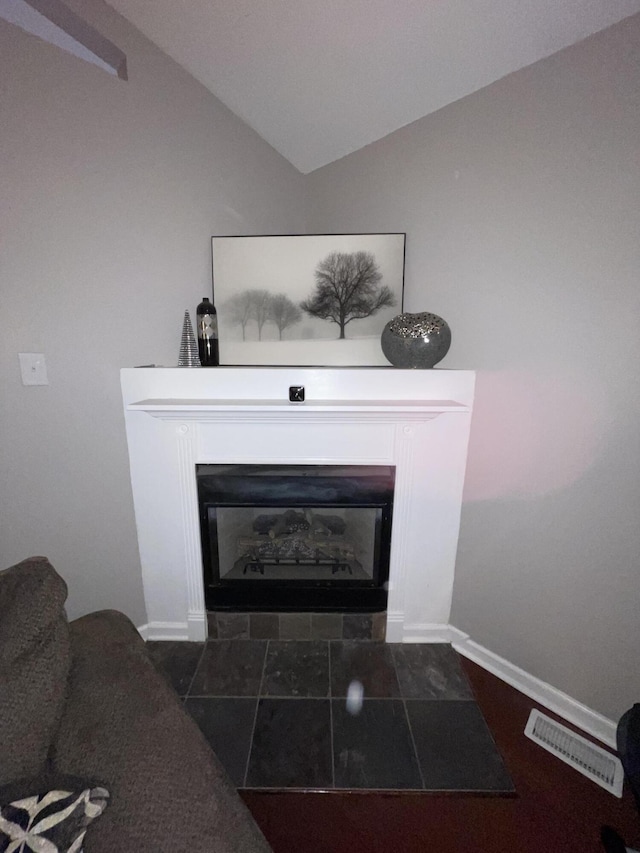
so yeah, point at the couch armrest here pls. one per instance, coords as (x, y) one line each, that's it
(125, 727)
(34, 664)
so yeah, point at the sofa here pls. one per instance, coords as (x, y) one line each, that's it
(82, 708)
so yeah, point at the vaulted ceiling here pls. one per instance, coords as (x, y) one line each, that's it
(318, 79)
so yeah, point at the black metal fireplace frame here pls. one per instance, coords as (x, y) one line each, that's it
(248, 485)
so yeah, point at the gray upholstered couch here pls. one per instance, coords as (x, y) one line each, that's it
(84, 700)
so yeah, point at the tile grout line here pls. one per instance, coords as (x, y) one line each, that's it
(255, 716)
(333, 760)
(408, 719)
(321, 698)
(269, 696)
(413, 743)
(187, 695)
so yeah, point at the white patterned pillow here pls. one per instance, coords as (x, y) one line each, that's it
(51, 822)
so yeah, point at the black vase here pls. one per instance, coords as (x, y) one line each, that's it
(207, 321)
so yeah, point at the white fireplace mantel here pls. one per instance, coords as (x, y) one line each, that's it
(417, 421)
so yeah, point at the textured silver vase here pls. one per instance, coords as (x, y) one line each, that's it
(188, 356)
(416, 340)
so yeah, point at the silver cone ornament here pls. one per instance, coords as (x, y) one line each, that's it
(188, 347)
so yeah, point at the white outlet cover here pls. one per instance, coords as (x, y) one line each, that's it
(33, 368)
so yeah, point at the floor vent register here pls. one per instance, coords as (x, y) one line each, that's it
(592, 761)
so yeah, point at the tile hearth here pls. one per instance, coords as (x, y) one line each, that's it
(276, 714)
(297, 626)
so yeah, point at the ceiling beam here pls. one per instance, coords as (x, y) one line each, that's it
(55, 23)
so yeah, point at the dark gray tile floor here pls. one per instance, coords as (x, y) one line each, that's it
(336, 714)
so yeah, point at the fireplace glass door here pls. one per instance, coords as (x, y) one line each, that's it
(295, 537)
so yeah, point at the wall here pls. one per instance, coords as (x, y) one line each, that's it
(111, 191)
(520, 204)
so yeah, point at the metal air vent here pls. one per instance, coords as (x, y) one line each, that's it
(584, 756)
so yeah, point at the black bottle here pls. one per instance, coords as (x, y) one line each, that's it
(208, 334)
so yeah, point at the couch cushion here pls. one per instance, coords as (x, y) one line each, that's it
(124, 725)
(34, 665)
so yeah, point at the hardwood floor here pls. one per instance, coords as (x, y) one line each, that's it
(555, 809)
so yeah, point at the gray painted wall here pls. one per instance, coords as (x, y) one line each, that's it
(521, 209)
(110, 194)
(520, 205)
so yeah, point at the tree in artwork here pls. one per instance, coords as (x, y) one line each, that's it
(284, 312)
(260, 308)
(347, 288)
(239, 309)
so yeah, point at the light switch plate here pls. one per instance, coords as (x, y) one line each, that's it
(33, 368)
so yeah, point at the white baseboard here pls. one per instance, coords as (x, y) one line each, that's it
(164, 631)
(197, 629)
(399, 631)
(544, 694)
(394, 628)
(426, 632)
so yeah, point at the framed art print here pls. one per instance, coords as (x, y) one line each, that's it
(315, 300)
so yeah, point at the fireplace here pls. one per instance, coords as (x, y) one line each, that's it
(414, 423)
(295, 537)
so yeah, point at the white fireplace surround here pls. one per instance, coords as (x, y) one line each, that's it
(416, 420)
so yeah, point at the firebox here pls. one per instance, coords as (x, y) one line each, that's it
(295, 537)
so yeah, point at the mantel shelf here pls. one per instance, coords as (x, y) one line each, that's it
(170, 405)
